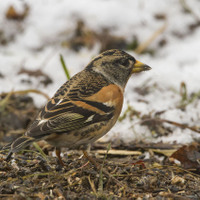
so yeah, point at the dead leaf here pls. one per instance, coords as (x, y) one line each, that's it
(13, 14)
(165, 152)
(189, 156)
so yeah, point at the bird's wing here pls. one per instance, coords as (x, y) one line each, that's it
(73, 111)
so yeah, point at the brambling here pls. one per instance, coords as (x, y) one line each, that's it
(84, 108)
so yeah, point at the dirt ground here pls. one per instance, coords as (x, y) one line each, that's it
(126, 171)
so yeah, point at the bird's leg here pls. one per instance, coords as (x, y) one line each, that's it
(91, 159)
(58, 151)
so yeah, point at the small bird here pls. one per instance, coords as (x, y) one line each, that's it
(84, 108)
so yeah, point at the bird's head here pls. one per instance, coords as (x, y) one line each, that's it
(117, 66)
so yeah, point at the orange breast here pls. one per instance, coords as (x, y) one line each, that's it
(111, 95)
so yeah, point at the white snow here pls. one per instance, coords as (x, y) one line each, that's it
(37, 45)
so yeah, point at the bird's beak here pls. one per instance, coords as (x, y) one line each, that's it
(139, 67)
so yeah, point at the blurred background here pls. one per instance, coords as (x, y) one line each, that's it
(163, 34)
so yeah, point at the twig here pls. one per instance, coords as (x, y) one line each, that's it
(158, 167)
(106, 172)
(26, 92)
(100, 188)
(92, 186)
(183, 126)
(145, 44)
(189, 10)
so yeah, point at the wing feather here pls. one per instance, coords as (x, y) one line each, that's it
(64, 113)
(64, 118)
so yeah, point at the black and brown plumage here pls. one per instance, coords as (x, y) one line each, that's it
(86, 107)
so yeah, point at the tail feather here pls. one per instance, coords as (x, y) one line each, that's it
(19, 144)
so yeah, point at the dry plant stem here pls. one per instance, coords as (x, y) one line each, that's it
(92, 185)
(91, 160)
(145, 44)
(188, 9)
(183, 126)
(180, 125)
(160, 167)
(84, 165)
(26, 92)
(105, 171)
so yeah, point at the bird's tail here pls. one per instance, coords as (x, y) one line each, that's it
(19, 144)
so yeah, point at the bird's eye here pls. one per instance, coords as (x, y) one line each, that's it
(124, 62)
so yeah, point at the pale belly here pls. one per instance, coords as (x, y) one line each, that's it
(82, 137)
